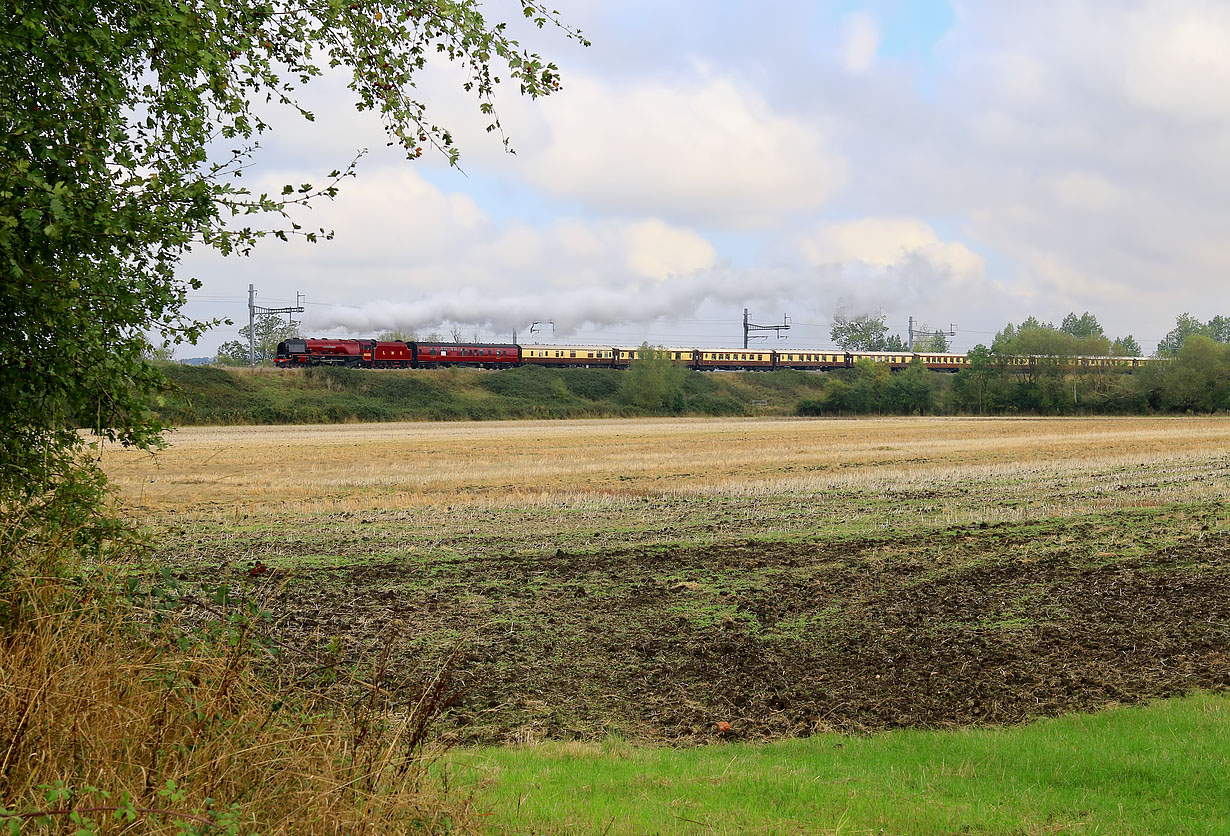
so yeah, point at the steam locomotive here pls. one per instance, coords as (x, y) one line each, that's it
(396, 354)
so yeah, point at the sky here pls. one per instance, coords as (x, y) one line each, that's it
(966, 164)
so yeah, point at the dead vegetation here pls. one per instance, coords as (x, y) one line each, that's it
(390, 466)
(145, 713)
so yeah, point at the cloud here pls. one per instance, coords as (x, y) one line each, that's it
(1083, 143)
(703, 148)
(861, 40)
(892, 245)
(399, 238)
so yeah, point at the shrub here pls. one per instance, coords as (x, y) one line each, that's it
(532, 383)
(592, 384)
(809, 408)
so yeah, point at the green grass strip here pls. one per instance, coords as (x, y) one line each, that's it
(1156, 769)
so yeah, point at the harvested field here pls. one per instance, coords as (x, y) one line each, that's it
(653, 579)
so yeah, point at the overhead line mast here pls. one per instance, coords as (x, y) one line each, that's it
(254, 309)
(951, 332)
(749, 326)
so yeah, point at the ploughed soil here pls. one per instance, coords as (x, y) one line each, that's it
(976, 625)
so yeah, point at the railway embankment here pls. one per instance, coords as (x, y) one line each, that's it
(214, 395)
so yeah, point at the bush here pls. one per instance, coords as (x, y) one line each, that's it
(532, 383)
(809, 408)
(592, 384)
(716, 404)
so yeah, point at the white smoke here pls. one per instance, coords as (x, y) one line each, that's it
(575, 308)
(817, 290)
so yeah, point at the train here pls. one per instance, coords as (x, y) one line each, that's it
(418, 354)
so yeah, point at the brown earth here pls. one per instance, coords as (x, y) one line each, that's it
(973, 625)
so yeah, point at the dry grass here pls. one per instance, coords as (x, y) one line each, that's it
(105, 730)
(339, 494)
(302, 469)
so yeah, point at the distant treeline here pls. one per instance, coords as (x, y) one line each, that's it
(1190, 372)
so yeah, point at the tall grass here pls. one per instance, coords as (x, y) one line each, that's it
(127, 712)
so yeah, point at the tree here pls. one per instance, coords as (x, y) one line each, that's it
(861, 333)
(270, 330)
(126, 126)
(973, 382)
(1084, 326)
(866, 392)
(159, 353)
(1035, 339)
(931, 341)
(1186, 326)
(1126, 347)
(1199, 379)
(1218, 329)
(653, 382)
(910, 391)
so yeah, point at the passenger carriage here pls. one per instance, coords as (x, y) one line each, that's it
(480, 355)
(601, 356)
(809, 360)
(733, 359)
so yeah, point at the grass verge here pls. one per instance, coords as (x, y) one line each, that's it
(1154, 769)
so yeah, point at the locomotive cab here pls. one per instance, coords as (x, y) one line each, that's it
(288, 350)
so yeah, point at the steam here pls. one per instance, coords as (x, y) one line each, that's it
(814, 291)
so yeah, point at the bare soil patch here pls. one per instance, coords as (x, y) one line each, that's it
(988, 624)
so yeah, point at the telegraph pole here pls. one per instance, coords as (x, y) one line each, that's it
(254, 309)
(749, 326)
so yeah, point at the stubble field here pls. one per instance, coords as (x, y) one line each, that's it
(657, 580)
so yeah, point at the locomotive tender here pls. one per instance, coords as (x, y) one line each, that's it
(378, 354)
